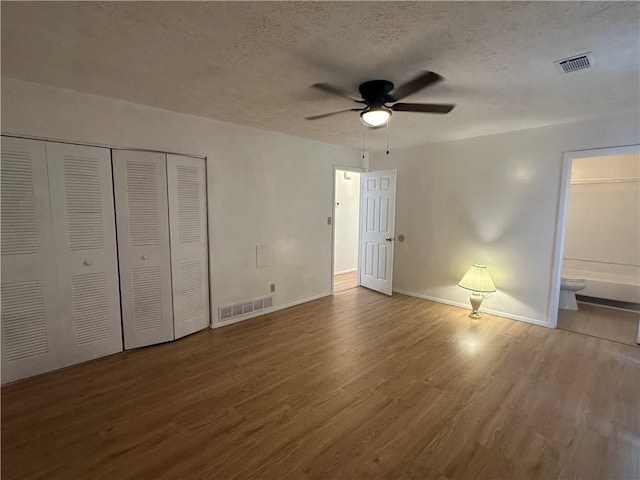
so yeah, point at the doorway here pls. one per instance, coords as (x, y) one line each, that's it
(599, 233)
(346, 228)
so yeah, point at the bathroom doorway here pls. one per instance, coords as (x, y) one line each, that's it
(346, 229)
(599, 292)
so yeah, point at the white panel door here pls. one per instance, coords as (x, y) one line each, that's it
(377, 220)
(189, 260)
(82, 210)
(29, 293)
(142, 219)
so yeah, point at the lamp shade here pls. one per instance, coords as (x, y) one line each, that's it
(478, 279)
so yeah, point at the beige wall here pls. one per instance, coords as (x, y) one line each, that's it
(491, 200)
(264, 188)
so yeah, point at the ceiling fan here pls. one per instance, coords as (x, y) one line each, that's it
(377, 95)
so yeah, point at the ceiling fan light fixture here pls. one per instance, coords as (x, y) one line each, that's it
(375, 117)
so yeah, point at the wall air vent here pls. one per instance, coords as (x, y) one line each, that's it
(575, 63)
(244, 309)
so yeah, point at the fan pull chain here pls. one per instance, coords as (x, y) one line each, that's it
(363, 130)
(387, 136)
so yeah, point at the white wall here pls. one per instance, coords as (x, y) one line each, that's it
(602, 237)
(347, 217)
(491, 200)
(264, 188)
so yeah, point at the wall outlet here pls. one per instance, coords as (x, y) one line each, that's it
(272, 287)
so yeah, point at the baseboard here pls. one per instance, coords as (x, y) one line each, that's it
(346, 271)
(249, 316)
(498, 313)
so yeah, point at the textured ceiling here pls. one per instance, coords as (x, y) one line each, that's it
(251, 63)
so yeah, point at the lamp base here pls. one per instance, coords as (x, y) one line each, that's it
(476, 300)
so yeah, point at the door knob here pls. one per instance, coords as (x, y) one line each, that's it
(144, 257)
(390, 239)
(88, 263)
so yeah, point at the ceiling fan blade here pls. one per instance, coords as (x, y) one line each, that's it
(333, 90)
(422, 107)
(322, 115)
(421, 81)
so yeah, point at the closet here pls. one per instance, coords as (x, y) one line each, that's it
(59, 294)
(101, 250)
(162, 238)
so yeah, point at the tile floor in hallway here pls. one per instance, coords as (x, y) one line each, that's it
(602, 322)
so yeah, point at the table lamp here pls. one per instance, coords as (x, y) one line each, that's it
(479, 281)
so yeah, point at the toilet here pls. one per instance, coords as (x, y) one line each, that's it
(568, 289)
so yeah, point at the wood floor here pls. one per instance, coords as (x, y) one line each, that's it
(345, 281)
(357, 385)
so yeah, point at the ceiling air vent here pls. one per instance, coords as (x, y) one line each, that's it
(575, 63)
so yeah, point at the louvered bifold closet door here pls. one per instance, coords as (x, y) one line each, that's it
(85, 241)
(142, 214)
(189, 259)
(29, 295)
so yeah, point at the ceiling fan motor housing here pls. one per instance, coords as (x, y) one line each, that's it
(375, 92)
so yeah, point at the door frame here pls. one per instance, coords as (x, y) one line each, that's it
(333, 219)
(561, 217)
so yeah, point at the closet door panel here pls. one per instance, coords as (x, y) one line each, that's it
(85, 238)
(29, 295)
(143, 245)
(189, 259)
